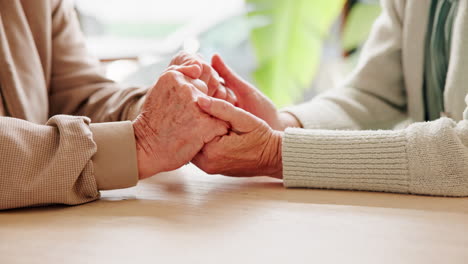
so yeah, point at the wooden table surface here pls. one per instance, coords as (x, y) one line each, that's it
(189, 217)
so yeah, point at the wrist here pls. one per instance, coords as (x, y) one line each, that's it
(135, 108)
(276, 166)
(147, 166)
(288, 120)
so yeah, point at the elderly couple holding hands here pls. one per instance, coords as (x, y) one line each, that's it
(190, 116)
(398, 123)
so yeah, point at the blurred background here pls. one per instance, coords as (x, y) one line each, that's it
(290, 49)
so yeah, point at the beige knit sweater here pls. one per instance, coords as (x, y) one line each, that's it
(341, 148)
(45, 71)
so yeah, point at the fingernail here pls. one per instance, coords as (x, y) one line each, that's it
(204, 102)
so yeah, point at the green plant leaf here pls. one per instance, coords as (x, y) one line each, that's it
(287, 41)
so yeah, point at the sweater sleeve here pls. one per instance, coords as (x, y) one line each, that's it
(78, 85)
(425, 158)
(65, 161)
(373, 97)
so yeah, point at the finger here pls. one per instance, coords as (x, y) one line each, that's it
(239, 119)
(214, 82)
(218, 128)
(182, 57)
(220, 93)
(232, 80)
(206, 77)
(178, 58)
(201, 86)
(193, 71)
(195, 84)
(231, 97)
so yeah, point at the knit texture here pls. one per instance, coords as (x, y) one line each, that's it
(426, 158)
(358, 160)
(46, 164)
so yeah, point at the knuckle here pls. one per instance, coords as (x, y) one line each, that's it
(172, 68)
(185, 87)
(168, 75)
(206, 72)
(206, 67)
(214, 82)
(200, 85)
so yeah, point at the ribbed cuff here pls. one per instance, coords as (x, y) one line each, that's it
(354, 160)
(115, 163)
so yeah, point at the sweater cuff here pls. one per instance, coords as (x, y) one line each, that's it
(354, 160)
(115, 163)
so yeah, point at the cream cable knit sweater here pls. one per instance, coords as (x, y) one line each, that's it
(424, 158)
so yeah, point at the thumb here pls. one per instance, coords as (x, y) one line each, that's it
(240, 120)
(233, 81)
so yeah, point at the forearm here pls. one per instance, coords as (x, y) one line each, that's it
(103, 102)
(46, 164)
(373, 96)
(347, 108)
(119, 105)
(426, 158)
(61, 162)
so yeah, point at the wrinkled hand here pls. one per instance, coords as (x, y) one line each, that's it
(207, 74)
(252, 100)
(251, 148)
(171, 129)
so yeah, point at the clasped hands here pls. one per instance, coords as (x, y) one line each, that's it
(188, 115)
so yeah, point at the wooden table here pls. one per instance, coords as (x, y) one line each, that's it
(189, 217)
